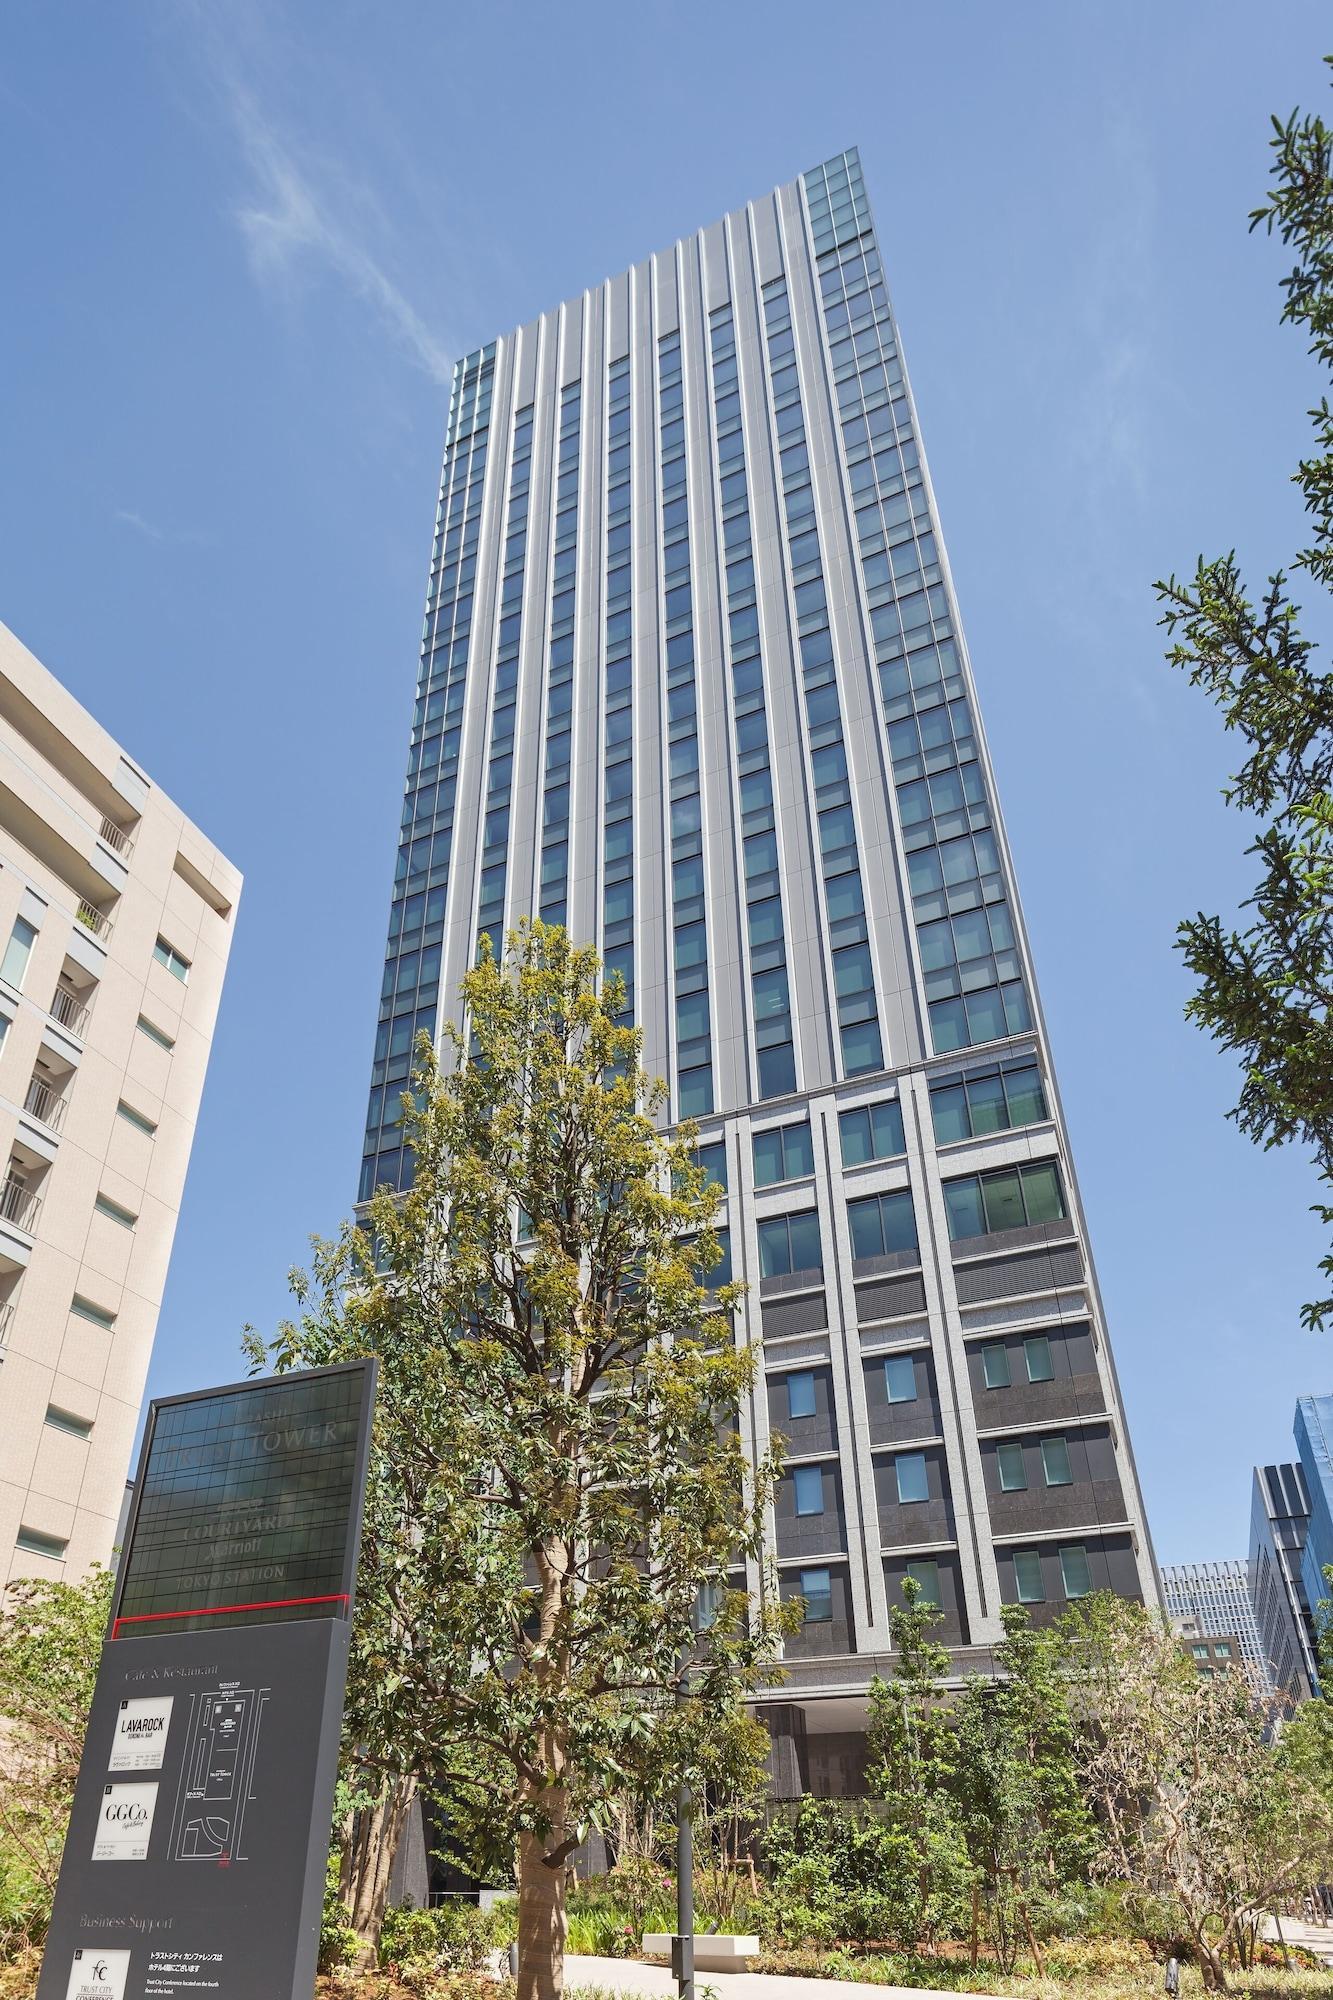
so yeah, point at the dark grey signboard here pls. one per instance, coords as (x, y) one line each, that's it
(194, 1862)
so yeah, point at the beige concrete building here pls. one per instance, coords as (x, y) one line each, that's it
(116, 917)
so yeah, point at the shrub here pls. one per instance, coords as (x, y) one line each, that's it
(602, 1933)
(502, 1922)
(338, 1942)
(420, 1945)
(1097, 1958)
(886, 1969)
(838, 1872)
(18, 1977)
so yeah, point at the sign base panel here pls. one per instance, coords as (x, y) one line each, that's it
(194, 1864)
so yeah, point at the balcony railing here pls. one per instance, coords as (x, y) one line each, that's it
(117, 838)
(45, 1103)
(6, 1320)
(19, 1205)
(95, 920)
(70, 1011)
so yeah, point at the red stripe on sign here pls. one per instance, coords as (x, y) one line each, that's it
(220, 1610)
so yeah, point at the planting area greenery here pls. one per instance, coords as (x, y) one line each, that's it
(1064, 1827)
(548, 1645)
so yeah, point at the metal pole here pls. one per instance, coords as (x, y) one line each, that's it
(685, 1895)
(682, 1955)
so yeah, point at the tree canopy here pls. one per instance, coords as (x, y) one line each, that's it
(1265, 988)
(561, 1506)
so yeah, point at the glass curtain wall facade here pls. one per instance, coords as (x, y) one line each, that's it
(1279, 1525)
(1313, 1431)
(693, 682)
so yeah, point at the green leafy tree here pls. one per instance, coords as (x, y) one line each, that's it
(558, 1482)
(1307, 1737)
(50, 1645)
(911, 1760)
(1015, 1780)
(1194, 1801)
(1265, 990)
(836, 1870)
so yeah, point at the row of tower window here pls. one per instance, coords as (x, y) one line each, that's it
(902, 1381)
(558, 758)
(883, 1224)
(410, 994)
(844, 897)
(694, 1060)
(815, 1585)
(911, 1473)
(618, 745)
(995, 1100)
(769, 986)
(968, 948)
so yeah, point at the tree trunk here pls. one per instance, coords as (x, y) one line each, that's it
(976, 1921)
(1210, 1964)
(542, 1924)
(368, 1856)
(1033, 1946)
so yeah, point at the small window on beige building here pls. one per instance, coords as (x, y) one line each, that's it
(14, 964)
(65, 1420)
(34, 1543)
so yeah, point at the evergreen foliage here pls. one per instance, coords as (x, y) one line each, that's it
(1265, 990)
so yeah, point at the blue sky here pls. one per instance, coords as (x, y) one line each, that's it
(241, 246)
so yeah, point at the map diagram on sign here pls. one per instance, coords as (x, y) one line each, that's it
(217, 1777)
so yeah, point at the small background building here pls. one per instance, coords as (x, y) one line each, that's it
(1207, 1598)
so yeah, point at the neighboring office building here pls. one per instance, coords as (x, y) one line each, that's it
(115, 923)
(1313, 1431)
(693, 684)
(1214, 1597)
(1279, 1517)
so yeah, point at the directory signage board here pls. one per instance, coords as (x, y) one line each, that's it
(194, 1861)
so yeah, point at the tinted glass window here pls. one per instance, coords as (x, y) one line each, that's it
(962, 1200)
(1074, 1572)
(806, 1254)
(912, 1476)
(801, 1394)
(816, 1587)
(1027, 1576)
(1013, 1470)
(900, 1378)
(995, 1366)
(1037, 1352)
(926, 1577)
(1055, 1461)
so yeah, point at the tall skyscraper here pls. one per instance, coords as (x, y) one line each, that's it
(115, 924)
(1215, 1597)
(693, 684)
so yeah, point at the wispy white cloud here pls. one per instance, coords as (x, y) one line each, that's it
(304, 208)
(1111, 442)
(129, 517)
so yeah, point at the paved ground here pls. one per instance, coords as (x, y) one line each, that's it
(629, 1975)
(1317, 1938)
